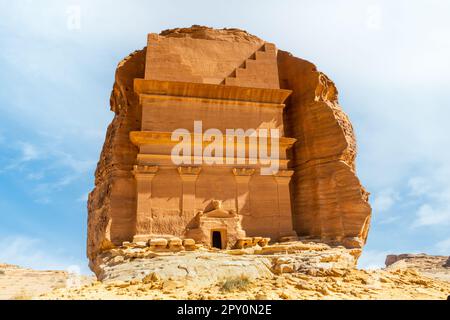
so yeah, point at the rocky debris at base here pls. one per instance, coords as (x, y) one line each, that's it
(432, 266)
(208, 265)
(295, 270)
(328, 284)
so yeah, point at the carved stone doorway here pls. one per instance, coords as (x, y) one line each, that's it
(216, 239)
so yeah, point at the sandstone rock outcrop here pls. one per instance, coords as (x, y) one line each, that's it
(328, 202)
(17, 283)
(437, 267)
(295, 270)
(112, 203)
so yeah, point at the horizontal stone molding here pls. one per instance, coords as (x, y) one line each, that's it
(144, 170)
(158, 97)
(210, 91)
(243, 171)
(140, 138)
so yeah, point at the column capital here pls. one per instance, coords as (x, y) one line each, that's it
(195, 171)
(243, 171)
(144, 171)
(283, 176)
(189, 173)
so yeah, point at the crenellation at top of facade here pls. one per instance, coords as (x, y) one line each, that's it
(212, 61)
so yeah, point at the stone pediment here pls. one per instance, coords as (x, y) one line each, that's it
(219, 213)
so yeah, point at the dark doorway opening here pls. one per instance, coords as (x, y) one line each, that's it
(217, 239)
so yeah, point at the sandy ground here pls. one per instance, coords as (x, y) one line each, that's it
(352, 284)
(311, 273)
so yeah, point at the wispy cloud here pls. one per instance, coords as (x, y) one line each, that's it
(29, 152)
(384, 200)
(444, 246)
(434, 190)
(432, 215)
(35, 253)
(372, 259)
(47, 166)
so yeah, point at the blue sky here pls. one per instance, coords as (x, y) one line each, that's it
(389, 60)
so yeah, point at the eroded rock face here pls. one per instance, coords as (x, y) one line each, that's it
(205, 266)
(294, 270)
(112, 203)
(328, 202)
(437, 267)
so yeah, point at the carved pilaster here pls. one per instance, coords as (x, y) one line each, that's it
(189, 177)
(144, 176)
(283, 177)
(242, 177)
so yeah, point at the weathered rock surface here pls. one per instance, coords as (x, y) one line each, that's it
(328, 199)
(207, 266)
(329, 203)
(432, 266)
(287, 271)
(113, 201)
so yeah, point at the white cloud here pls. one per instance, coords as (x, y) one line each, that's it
(35, 175)
(434, 189)
(427, 215)
(76, 165)
(29, 152)
(419, 186)
(33, 253)
(47, 166)
(372, 259)
(384, 200)
(390, 219)
(443, 246)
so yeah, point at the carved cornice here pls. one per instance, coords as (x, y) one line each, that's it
(210, 91)
(140, 138)
(284, 173)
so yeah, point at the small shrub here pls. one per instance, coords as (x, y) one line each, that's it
(236, 283)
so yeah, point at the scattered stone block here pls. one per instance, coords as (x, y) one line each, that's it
(243, 243)
(256, 240)
(141, 244)
(189, 244)
(158, 244)
(175, 244)
(263, 242)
